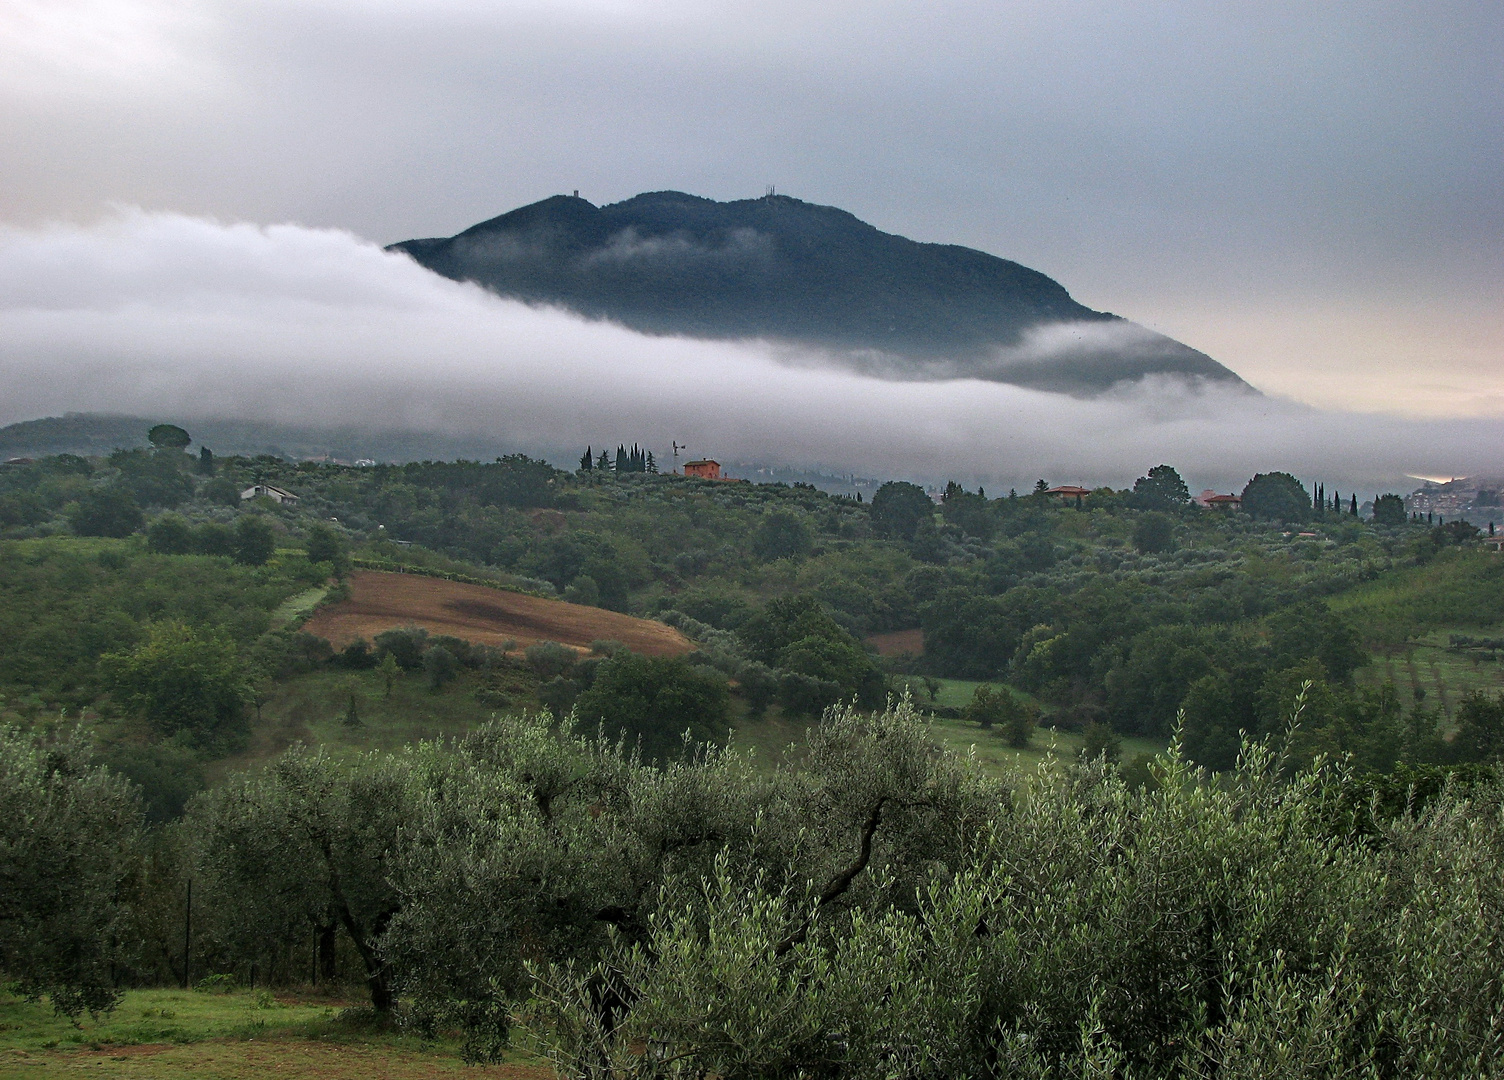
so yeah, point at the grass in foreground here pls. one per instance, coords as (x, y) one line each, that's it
(173, 1034)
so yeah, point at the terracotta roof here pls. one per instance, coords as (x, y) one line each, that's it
(1068, 490)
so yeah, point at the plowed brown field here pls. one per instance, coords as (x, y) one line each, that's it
(380, 601)
(897, 642)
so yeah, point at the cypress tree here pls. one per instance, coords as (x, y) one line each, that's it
(1353, 509)
(587, 460)
(652, 465)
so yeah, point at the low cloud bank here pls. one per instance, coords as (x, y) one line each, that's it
(172, 316)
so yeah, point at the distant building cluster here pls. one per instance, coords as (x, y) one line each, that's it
(1474, 499)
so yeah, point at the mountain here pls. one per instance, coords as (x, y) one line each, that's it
(812, 276)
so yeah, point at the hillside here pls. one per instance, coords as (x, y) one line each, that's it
(381, 601)
(781, 269)
(100, 433)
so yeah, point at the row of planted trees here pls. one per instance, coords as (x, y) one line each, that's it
(884, 909)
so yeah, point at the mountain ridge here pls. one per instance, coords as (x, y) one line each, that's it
(783, 270)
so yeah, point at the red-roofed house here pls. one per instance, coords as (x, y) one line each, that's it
(705, 470)
(1068, 493)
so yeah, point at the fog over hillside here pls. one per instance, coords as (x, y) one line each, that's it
(811, 277)
(161, 314)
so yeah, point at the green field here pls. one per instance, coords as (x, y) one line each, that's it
(1407, 617)
(993, 752)
(299, 607)
(1458, 591)
(1441, 676)
(172, 1034)
(312, 708)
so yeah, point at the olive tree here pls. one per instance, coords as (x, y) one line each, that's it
(1186, 929)
(181, 680)
(68, 834)
(306, 847)
(539, 845)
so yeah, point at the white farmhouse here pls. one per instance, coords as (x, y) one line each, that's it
(275, 494)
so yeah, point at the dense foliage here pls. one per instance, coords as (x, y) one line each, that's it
(68, 837)
(1123, 608)
(881, 909)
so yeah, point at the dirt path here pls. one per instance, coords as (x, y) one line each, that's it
(379, 601)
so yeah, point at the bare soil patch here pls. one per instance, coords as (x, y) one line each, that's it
(380, 601)
(898, 642)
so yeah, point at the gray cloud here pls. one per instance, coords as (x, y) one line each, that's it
(170, 315)
(1236, 176)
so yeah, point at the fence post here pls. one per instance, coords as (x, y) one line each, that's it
(187, 933)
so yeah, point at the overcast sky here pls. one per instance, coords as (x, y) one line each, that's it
(1313, 194)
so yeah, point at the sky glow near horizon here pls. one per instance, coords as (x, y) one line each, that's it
(176, 317)
(1311, 196)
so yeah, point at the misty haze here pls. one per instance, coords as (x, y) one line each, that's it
(639, 540)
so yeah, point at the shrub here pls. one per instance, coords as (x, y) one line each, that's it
(655, 700)
(1153, 534)
(212, 538)
(440, 665)
(106, 512)
(1098, 740)
(182, 680)
(549, 659)
(220, 491)
(255, 540)
(169, 534)
(781, 535)
(404, 644)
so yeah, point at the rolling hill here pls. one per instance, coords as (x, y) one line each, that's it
(816, 277)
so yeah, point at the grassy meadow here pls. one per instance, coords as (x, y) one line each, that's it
(243, 1034)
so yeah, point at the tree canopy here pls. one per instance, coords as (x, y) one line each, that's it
(1276, 495)
(168, 437)
(897, 509)
(1162, 489)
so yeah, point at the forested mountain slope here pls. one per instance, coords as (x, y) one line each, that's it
(781, 269)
